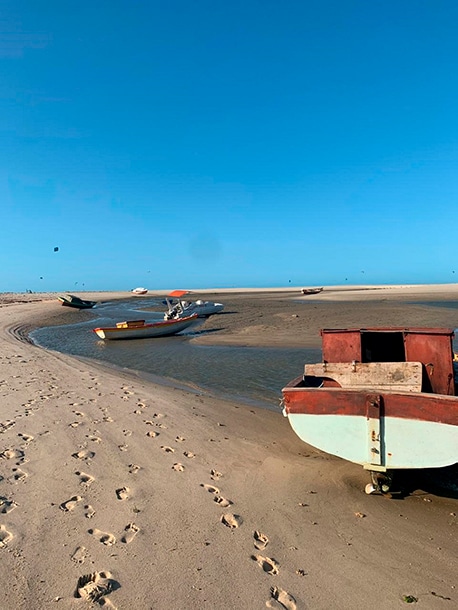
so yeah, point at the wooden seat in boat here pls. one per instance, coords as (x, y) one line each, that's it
(391, 376)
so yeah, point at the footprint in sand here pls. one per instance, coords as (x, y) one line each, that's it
(270, 566)
(5, 536)
(131, 530)
(260, 540)
(83, 455)
(231, 521)
(189, 454)
(223, 502)
(178, 467)
(123, 447)
(90, 512)
(70, 504)
(179, 439)
(85, 479)
(75, 424)
(133, 468)
(141, 405)
(11, 454)
(18, 475)
(158, 415)
(103, 537)
(122, 493)
(283, 598)
(79, 554)
(78, 413)
(94, 587)
(159, 425)
(210, 488)
(215, 475)
(94, 439)
(6, 506)
(5, 425)
(167, 449)
(127, 432)
(27, 438)
(152, 434)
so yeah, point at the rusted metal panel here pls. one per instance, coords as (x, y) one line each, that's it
(339, 401)
(341, 345)
(435, 350)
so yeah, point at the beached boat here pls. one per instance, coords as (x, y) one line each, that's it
(140, 290)
(311, 290)
(178, 308)
(73, 301)
(385, 398)
(138, 329)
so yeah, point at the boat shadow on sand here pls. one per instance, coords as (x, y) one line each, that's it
(220, 314)
(442, 482)
(200, 333)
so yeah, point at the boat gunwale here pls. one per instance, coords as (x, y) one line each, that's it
(158, 324)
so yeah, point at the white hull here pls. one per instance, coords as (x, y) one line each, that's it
(201, 308)
(404, 443)
(204, 309)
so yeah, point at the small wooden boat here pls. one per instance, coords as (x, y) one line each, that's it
(73, 301)
(385, 398)
(311, 290)
(138, 329)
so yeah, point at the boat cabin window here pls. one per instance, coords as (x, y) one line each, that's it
(382, 347)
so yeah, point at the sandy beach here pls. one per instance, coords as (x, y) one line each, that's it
(124, 494)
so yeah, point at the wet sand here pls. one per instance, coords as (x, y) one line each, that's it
(121, 493)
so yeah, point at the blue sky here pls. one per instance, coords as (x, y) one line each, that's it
(207, 144)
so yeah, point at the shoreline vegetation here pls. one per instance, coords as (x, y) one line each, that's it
(117, 492)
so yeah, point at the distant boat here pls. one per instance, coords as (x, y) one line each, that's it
(311, 290)
(137, 329)
(73, 301)
(385, 398)
(178, 308)
(140, 290)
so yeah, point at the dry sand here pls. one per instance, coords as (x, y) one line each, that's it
(117, 492)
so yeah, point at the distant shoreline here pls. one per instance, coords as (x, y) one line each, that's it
(337, 292)
(277, 318)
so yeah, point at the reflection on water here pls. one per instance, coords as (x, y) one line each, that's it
(250, 375)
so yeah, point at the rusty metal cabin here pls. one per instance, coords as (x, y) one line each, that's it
(433, 347)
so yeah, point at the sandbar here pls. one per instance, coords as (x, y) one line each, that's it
(121, 493)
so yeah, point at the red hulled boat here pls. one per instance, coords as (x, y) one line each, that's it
(385, 398)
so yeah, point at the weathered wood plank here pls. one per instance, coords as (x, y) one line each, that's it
(393, 376)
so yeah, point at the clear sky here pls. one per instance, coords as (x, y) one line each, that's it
(211, 144)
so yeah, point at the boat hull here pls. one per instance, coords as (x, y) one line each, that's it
(158, 329)
(311, 290)
(380, 431)
(76, 303)
(203, 309)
